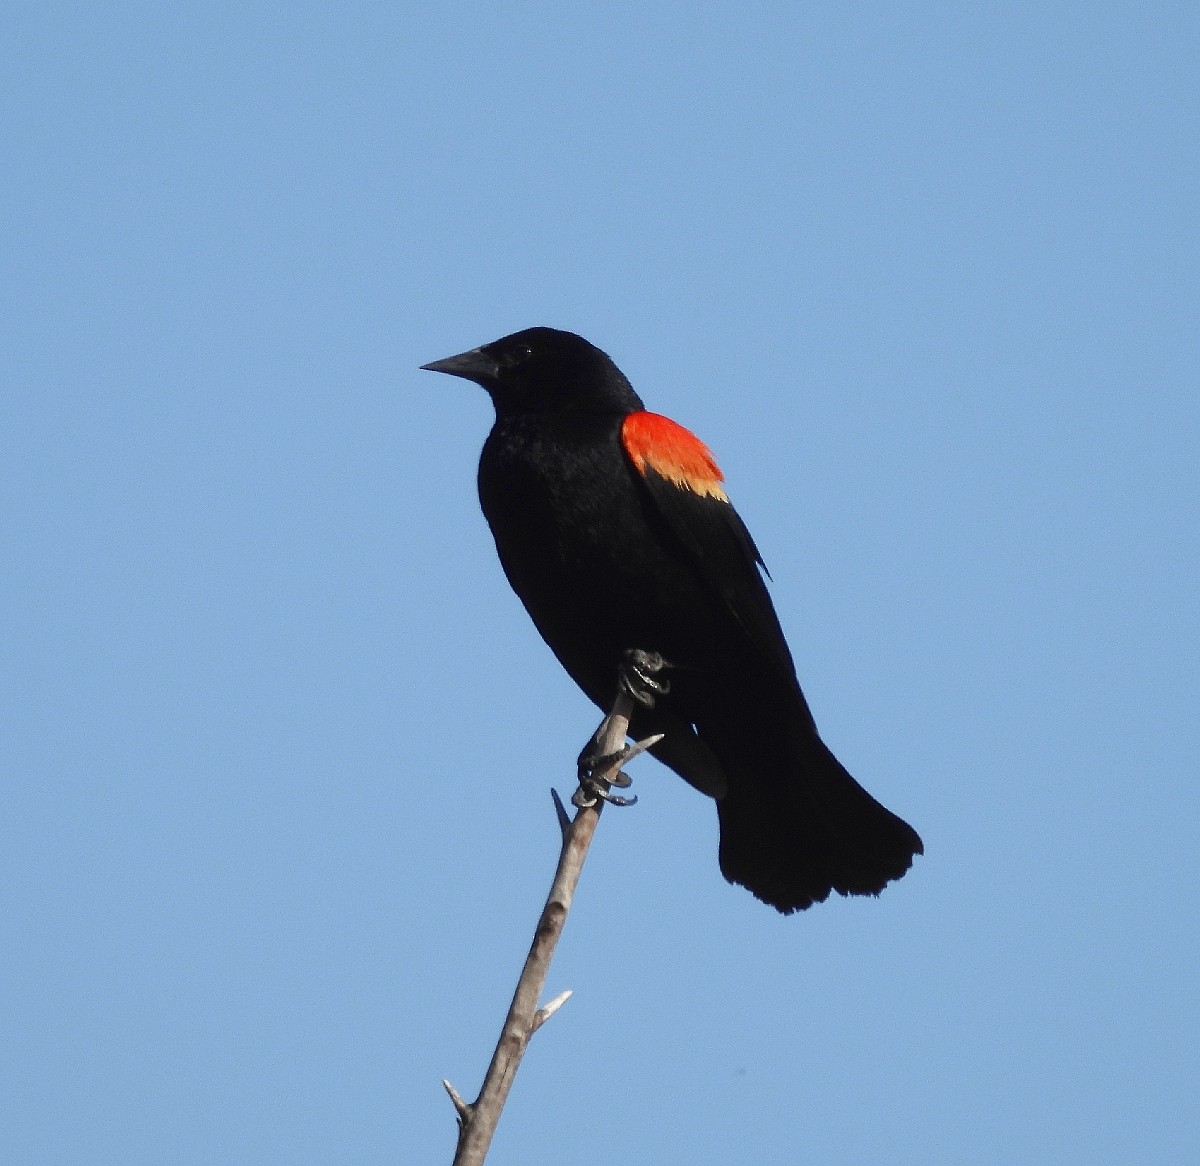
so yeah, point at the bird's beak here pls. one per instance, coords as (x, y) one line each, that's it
(475, 365)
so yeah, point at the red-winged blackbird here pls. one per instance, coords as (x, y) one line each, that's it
(614, 530)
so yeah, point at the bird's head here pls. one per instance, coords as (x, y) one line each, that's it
(543, 369)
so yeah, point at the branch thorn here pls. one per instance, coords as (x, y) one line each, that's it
(564, 819)
(641, 746)
(464, 1110)
(548, 1010)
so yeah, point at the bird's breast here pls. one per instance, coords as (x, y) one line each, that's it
(555, 499)
(577, 540)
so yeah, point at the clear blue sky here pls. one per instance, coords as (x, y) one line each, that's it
(279, 740)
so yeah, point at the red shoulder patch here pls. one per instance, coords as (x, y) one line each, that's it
(673, 453)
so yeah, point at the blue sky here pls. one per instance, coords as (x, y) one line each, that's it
(276, 823)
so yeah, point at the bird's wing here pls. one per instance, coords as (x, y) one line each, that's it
(682, 479)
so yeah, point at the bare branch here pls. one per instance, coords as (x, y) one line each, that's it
(477, 1121)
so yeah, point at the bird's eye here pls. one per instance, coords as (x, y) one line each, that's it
(516, 356)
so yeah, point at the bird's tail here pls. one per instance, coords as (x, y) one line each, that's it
(795, 825)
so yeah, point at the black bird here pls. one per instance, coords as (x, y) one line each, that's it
(614, 529)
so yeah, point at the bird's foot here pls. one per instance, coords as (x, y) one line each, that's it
(597, 789)
(593, 788)
(639, 676)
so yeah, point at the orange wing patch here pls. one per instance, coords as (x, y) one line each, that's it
(673, 453)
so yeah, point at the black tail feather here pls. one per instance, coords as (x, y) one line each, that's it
(797, 826)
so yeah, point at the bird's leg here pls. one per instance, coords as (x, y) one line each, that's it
(637, 678)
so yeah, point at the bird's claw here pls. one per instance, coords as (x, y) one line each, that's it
(592, 788)
(638, 673)
(588, 763)
(639, 680)
(595, 789)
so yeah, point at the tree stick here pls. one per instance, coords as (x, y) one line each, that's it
(477, 1120)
